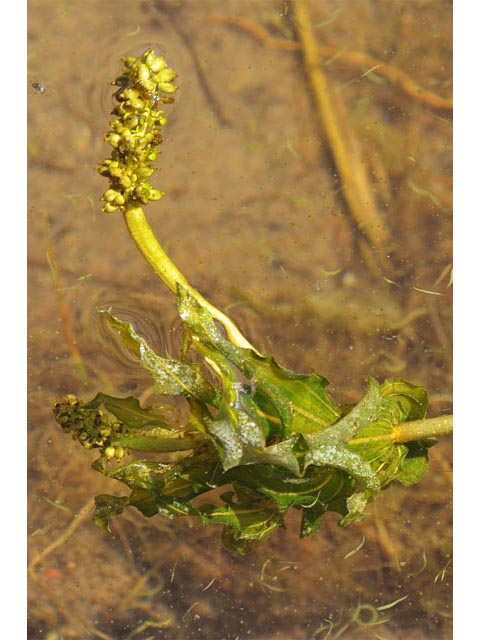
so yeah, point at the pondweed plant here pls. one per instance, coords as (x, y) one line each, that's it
(272, 438)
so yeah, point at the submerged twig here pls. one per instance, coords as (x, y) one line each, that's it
(346, 151)
(356, 59)
(69, 531)
(65, 312)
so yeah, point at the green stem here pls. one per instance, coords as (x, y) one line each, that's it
(146, 241)
(421, 429)
(413, 430)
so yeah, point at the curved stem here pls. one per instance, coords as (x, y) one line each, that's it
(146, 241)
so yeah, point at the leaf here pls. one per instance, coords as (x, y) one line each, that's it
(106, 507)
(299, 400)
(254, 520)
(312, 517)
(158, 440)
(171, 377)
(246, 523)
(414, 465)
(143, 474)
(357, 418)
(157, 488)
(238, 429)
(319, 485)
(412, 400)
(186, 478)
(341, 458)
(129, 411)
(399, 401)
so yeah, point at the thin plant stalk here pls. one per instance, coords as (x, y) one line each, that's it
(146, 241)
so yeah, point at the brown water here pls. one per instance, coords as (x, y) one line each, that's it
(253, 210)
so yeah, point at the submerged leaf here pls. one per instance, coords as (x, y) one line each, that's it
(246, 523)
(407, 463)
(171, 377)
(129, 411)
(298, 400)
(107, 507)
(159, 440)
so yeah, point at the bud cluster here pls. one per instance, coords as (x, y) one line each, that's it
(90, 426)
(135, 130)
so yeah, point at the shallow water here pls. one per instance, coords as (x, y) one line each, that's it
(254, 216)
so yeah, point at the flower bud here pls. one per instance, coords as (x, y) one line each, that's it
(113, 139)
(155, 63)
(109, 452)
(129, 94)
(148, 85)
(116, 171)
(125, 181)
(120, 453)
(144, 172)
(167, 87)
(166, 75)
(137, 104)
(104, 168)
(129, 62)
(155, 194)
(110, 195)
(141, 194)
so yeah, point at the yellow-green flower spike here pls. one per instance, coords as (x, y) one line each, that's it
(135, 131)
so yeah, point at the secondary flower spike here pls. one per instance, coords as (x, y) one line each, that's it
(136, 131)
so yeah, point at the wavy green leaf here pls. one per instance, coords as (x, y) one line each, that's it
(107, 507)
(158, 441)
(171, 377)
(399, 402)
(299, 400)
(129, 411)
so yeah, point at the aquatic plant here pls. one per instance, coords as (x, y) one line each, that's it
(271, 438)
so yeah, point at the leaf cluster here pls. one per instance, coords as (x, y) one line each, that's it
(257, 441)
